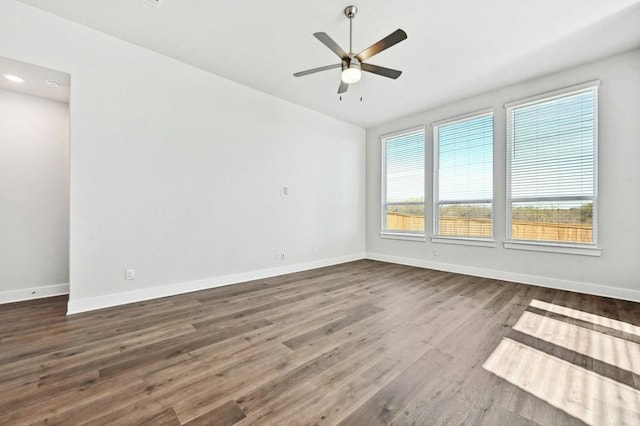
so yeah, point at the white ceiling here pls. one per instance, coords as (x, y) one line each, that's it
(454, 48)
(34, 77)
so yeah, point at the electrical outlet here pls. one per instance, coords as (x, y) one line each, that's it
(130, 274)
(436, 252)
(284, 191)
(282, 254)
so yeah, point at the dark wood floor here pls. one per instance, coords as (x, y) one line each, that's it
(362, 343)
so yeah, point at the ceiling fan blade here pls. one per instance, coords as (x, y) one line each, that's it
(328, 41)
(394, 38)
(343, 87)
(377, 69)
(314, 70)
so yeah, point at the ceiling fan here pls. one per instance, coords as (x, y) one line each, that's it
(352, 65)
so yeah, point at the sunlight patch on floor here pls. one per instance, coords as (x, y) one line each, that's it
(594, 399)
(586, 316)
(586, 395)
(609, 349)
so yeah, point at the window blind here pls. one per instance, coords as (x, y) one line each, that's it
(463, 177)
(403, 185)
(551, 168)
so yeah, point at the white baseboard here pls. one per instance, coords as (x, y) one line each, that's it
(31, 293)
(559, 284)
(93, 303)
(99, 302)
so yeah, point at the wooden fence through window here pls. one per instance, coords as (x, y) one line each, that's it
(482, 228)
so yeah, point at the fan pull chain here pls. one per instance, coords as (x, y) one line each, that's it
(341, 98)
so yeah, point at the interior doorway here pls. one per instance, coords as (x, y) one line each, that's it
(34, 181)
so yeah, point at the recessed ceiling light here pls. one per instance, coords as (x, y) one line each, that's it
(53, 83)
(13, 78)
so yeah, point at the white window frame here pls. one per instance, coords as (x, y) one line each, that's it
(390, 234)
(437, 238)
(591, 249)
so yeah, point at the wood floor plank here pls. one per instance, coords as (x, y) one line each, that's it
(225, 415)
(358, 314)
(73, 405)
(390, 400)
(141, 411)
(163, 350)
(364, 342)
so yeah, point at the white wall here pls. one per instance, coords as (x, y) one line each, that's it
(34, 195)
(617, 271)
(176, 172)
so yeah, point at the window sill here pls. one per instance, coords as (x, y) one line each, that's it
(406, 237)
(477, 242)
(554, 248)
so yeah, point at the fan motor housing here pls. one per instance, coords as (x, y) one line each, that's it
(353, 62)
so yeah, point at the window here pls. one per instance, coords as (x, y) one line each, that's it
(403, 183)
(551, 168)
(463, 177)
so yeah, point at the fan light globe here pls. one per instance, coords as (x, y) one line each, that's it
(351, 75)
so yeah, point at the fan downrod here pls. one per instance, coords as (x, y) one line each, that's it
(350, 12)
